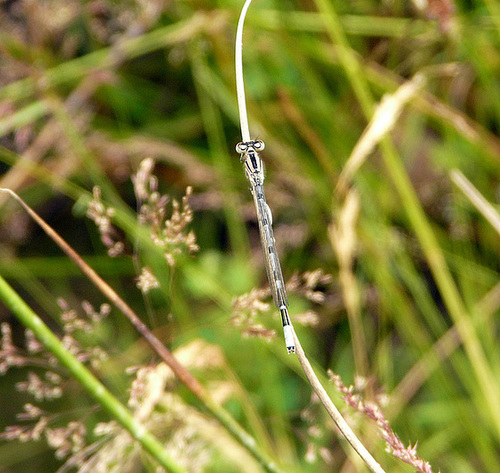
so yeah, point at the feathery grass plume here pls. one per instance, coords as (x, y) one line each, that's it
(144, 181)
(373, 411)
(248, 307)
(310, 284)
(316, 432)
(102, 217)
(10, 356)
(313, 286)
(36, 422)
(42, 390)
(72, 320)
(67, 440)
(171, 233)
(146, 281)
(153, 400)
(48, 383)
(309, 318)
(174, 235)
(163, 413)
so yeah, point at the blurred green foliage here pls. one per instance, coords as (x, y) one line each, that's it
(89, 89)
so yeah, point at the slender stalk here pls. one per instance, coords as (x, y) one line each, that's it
(352, 66)
(240, 85)
(360, 25)
(333, 412)
(91, 384)
(344, 242)
(24, 116)
(481, 204)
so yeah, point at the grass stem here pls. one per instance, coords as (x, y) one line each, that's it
(91, 384)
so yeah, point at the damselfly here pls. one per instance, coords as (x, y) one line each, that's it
(254, 170)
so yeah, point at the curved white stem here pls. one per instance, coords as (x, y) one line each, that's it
(332, 410)
(240, 86)
(290, 335)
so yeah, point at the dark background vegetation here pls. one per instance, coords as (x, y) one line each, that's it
(89, 89)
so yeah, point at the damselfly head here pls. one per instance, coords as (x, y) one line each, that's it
(254, 168)
(249, 146)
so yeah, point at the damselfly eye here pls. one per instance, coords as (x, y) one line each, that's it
(241, 147)
(259, 145)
